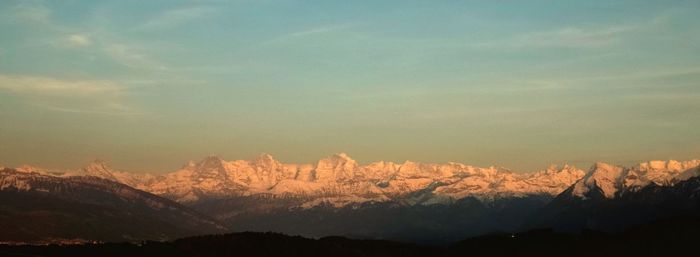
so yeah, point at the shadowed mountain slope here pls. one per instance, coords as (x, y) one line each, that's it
(36, 207)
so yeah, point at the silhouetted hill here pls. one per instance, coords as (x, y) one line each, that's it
(35, 208)
(437, 223)
(669, 237)
(238, 244)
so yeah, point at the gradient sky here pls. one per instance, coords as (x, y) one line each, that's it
(148, 85)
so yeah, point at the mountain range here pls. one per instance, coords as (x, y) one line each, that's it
(407, 201)
(337, 180)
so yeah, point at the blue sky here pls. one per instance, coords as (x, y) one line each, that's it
(148, 85)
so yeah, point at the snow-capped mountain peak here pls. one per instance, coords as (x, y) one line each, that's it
(99, 168)
(265, 161)
(189, 165)
(211, 162)
(29, 168)
(340, 180)
(611, 181)
(602, 178)
(339, 158)
(336, 167)
(668, 172)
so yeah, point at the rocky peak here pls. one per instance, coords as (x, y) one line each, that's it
(210, 167)
(612, 180)
(210, 162)
(189, 165)
(604, 168)
(337, 161)
(336, 167)
(657, 165)
(28, 168)
(381, 166)
(668, 166)
(552, 168)
(98, 164)
(602, 178)
(668, 172)
(265, 161)
(410, 167)
(342, 155)
(99, 168)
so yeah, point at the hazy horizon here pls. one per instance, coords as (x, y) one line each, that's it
(148, 86)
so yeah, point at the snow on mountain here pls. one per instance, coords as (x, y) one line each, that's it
(610, 181)
(339, 180)
(26, 168)
(492, 182)
(101, 169)
(339, 167)
(669, 172)
(603, 177)
(97, 168)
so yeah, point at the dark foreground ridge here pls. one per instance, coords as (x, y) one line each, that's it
(662, 238)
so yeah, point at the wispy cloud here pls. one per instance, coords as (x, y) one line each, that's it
(132, 58)
(78, 40)
(309, 32)
(586, 36)
(31, 13)
(564, 37)
(521, 86)
(174, 17)
(114, 47)
(56, 87)
(573, 37)
(321, 30)
(635, 75)
(114, 111)
(76, 96)
(677, 97)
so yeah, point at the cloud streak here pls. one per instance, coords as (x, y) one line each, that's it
(174, 17)
(573, 37)
(309, 32)
(113, 112)
(568, 37)
(73, 96)
(131, 58)
(321, 30)
(123, 52)
(32, 13)
(78, 40)
(56, 87)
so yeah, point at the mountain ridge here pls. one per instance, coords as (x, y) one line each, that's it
(339, 180)
(611, 198)
(410, 201)
(90, 207)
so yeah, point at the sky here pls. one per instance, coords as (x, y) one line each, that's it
(148, 85)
